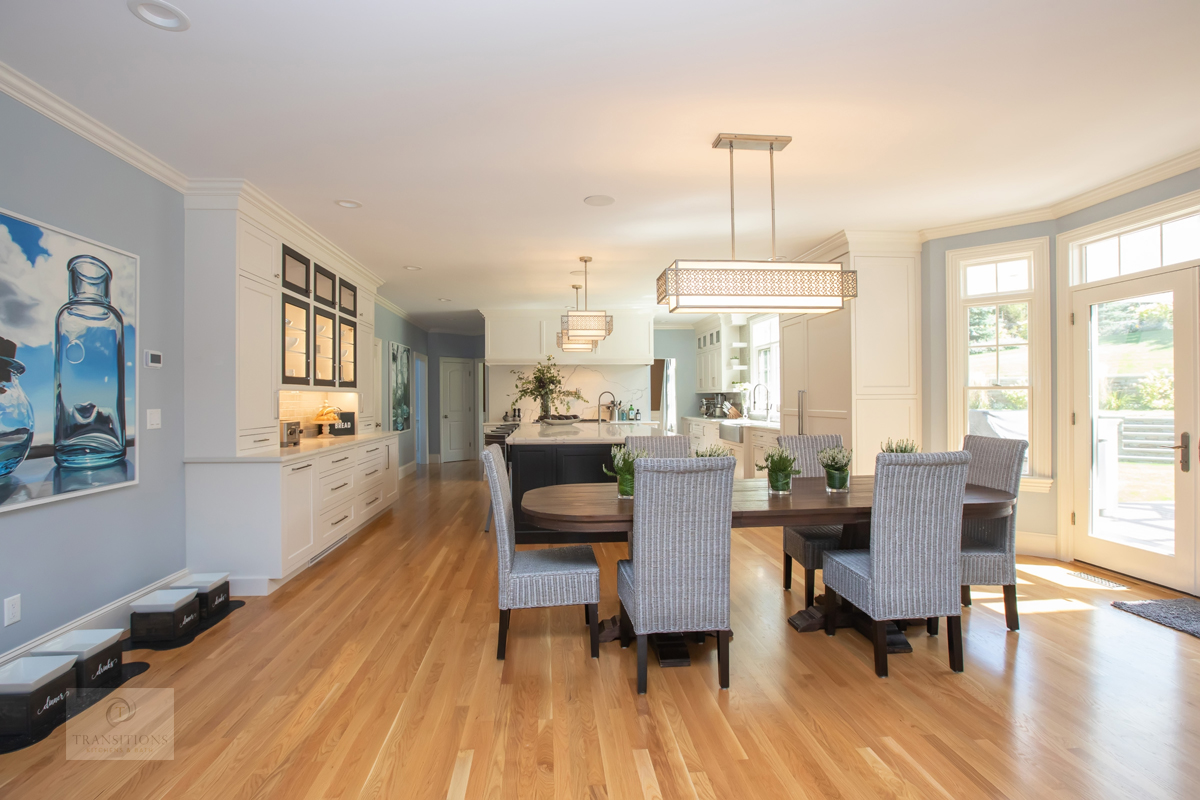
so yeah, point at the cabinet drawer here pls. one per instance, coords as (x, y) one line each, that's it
(765, 438)
(369, 472)
(339, 459)
(336, 522)
(369, 502)
(263, 440)
(335, 487)
(371, 450)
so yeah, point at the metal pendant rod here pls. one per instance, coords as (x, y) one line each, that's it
(732, 229)
(772, 201)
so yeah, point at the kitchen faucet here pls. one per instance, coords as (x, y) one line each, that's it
(599, 405)
(753, 392)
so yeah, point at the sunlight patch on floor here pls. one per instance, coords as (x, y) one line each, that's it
(1062, 576)
(1043, 606)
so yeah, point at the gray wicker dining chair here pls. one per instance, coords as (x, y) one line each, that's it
(989, 546)
(912, 569)
(677, 579)
(660, 446)
(559, 576)
(807, 544)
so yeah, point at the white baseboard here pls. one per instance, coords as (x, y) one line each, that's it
(408, 469)
(1044, 545)
(113, 615)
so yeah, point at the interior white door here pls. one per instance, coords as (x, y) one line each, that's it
(1134, 394)
(458, 391)
(257, 337)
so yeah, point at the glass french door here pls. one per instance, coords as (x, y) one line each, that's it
(1134, 358)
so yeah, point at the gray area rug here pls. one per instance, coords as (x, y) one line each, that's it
(1182, 614)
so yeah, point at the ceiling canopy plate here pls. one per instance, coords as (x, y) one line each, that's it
(750, 141)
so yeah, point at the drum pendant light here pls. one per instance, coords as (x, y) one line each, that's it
(585, 324)
(708, 287)
(569, 345)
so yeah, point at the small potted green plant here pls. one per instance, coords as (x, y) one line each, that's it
(623, 458)
(714, 451)
(780, 466)
(836, 463)
(899, 446)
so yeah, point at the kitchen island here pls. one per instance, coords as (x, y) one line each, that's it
(547, 455)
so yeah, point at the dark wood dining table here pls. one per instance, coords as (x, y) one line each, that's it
(581, 509)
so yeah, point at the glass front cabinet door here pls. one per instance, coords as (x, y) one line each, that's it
(324, 347)
(348, 298)
(295, 341)
(295, 271)
(348, 350)
(324, 286)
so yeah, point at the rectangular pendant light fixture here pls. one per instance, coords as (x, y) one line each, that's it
(568, 345)
(709, 287)
(590, 325)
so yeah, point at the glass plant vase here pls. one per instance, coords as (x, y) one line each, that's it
(625, 485)
(837, 480)
(89, 371)
(545, 408)
(779, 483)
(16, 412)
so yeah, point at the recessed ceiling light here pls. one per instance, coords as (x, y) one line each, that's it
(443, 299)
(160, 14)
(412, 268)
(599, 200)
(349, 203)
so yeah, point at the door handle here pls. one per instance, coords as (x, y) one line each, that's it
(1185, 451)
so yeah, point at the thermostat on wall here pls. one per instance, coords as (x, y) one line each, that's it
(153, 360)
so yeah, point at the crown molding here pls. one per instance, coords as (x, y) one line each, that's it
(861, 242)
(41, 100)
(1138, 180)
(395, 309)
(231, 192)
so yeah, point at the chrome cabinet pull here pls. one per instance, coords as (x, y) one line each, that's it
(376, 450)
(256, 441)
(369, 474)
(340, 460)
(297, 469)
(376, 500)
(340, 521)
(342, 486)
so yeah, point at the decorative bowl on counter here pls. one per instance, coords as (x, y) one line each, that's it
(562, 420)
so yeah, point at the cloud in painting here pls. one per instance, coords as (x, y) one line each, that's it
(33, 279)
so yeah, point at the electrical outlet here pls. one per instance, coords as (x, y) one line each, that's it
(153, 419)
(12, 610)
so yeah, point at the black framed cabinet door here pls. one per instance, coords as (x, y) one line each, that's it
(324, 286)
(347, 354)
(325, 354)
(296, 340)
(347, 298)
(296, 272)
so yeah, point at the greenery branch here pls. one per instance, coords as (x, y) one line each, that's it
(778, 460)
(623, 458)
(899, 446)
(835, 458)
(545, 385)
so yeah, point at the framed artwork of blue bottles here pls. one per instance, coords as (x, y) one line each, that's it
(68, 366)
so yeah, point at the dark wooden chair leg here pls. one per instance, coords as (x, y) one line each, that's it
(1010, 608)
(831, 606)
(966, 595)
(587, 613)
(787, 571)
(626, 628)
(954, 627)
(593, 615)
(810, 585)
(502, 639)
(931, 626)
(723, 658)
(487, 526)
(880, 631)
(643, 647)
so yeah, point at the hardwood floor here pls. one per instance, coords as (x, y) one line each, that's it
(374, 674)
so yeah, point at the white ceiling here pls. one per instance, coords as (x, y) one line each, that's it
(472, 131)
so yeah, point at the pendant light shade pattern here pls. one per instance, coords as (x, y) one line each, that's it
(587, 325)
(707, 287)
(570, 344)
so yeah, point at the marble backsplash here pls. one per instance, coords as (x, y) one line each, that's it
(631, 385)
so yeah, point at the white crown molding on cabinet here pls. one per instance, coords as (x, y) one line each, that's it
(41, 100)
(392, 307)
(1130, 183)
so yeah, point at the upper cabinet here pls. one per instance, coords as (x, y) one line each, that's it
(347, 298)
(528, 336)
(324, 286)
(296, 272)
(721, 353)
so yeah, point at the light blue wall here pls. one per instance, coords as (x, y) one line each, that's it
(75, 555)
(390, 327)
(449, 345)
(1036, 512)
(680, 344)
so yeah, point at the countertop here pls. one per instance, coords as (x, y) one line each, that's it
(308, 446)
(581, 433)
(746, 421)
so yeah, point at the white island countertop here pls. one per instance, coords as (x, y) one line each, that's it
(581, 433)
(309, 445)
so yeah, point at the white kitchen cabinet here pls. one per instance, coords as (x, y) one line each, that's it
(368, 379)
(528, 336)
(258, 253)
(717, 340)
(391, 470)
(298, 482)
(738, 451)
(257, 349)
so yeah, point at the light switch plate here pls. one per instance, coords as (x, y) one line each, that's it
(12, 610)
(153, 419)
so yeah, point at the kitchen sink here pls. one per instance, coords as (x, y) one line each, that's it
(732, 431)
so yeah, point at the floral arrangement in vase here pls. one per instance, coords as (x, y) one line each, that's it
(836, 463)
(780, 466)
(546, 386)
(714, 451)
(623, 458)
(899, 446)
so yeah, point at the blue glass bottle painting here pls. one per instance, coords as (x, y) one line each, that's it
(16, 412)
(89, 374)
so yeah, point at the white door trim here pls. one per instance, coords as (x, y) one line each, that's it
(421, 428)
